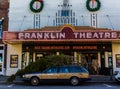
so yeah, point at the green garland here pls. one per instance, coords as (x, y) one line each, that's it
(93, 9)
(36, 10)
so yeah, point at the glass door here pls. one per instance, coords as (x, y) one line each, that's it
(90, 62)
(1, 63)
(1, 59)
(24, 60)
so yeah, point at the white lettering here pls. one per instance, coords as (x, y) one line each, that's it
(113, 35)
(101, 34)
(89, 35)
(107, 35)
(33, 35)
(62, 35)
(27, 35)
(46, 35)
(76, 35)
(95, 35)
(39, 35)
(52, 35)
(57, 35)
(82, 35)
(20, 35)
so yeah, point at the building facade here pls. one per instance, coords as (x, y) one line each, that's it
(4, 5)
(86, 30)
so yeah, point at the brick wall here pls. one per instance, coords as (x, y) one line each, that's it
(4, 7)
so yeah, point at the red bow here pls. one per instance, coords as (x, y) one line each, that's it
(39, 0)
(93, 3)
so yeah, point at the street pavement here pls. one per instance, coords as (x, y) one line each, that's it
(94, 79)
(97, 82)
(61, 86)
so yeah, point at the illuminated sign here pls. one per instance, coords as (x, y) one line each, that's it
(63, 35)
(65, 47)
(67, 33)
(41, 35)
(84, 47)
(52, 47)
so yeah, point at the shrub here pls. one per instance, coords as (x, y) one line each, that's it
(11, 78)
(20, 72)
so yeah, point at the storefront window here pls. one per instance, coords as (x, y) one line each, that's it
(0, 29)
(14, 61)
(118, 60)
(38, 56)
(110, 64)
(31, 58)
(24, 60)
(109, 54)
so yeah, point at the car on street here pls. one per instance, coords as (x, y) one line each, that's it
(72, 74)
(117, 76)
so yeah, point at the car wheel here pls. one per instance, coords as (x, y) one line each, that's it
(74, 81)
(34, 81)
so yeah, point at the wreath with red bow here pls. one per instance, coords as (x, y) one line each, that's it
(95, 8)
(36, 10)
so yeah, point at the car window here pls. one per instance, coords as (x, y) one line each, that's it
(63, 70)
(76, 69)
(51, 70)
(83, 69)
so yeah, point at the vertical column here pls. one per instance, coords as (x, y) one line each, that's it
(34, 57)
(106, 59)
(13, 49)
(58, 53)
(75, 57)
(28, 57)
(79, 57)
(99, 60)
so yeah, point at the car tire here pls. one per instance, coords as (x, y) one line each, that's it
(74, 81)
(34, 81)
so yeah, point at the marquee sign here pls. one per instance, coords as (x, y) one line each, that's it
(67, 33)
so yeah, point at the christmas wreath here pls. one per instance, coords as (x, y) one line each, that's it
(95, 8)
(38, 8)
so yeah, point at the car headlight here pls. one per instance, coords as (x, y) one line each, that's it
(24, 76)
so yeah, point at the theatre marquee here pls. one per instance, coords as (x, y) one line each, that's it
(64, 34)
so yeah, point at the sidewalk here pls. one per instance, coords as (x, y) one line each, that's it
(102, 78)
(3, 79)
(95, 79)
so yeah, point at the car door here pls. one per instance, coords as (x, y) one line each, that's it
(50, 74)
(63, 73)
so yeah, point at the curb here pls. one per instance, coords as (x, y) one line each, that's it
(101, 81)
(16, 82)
